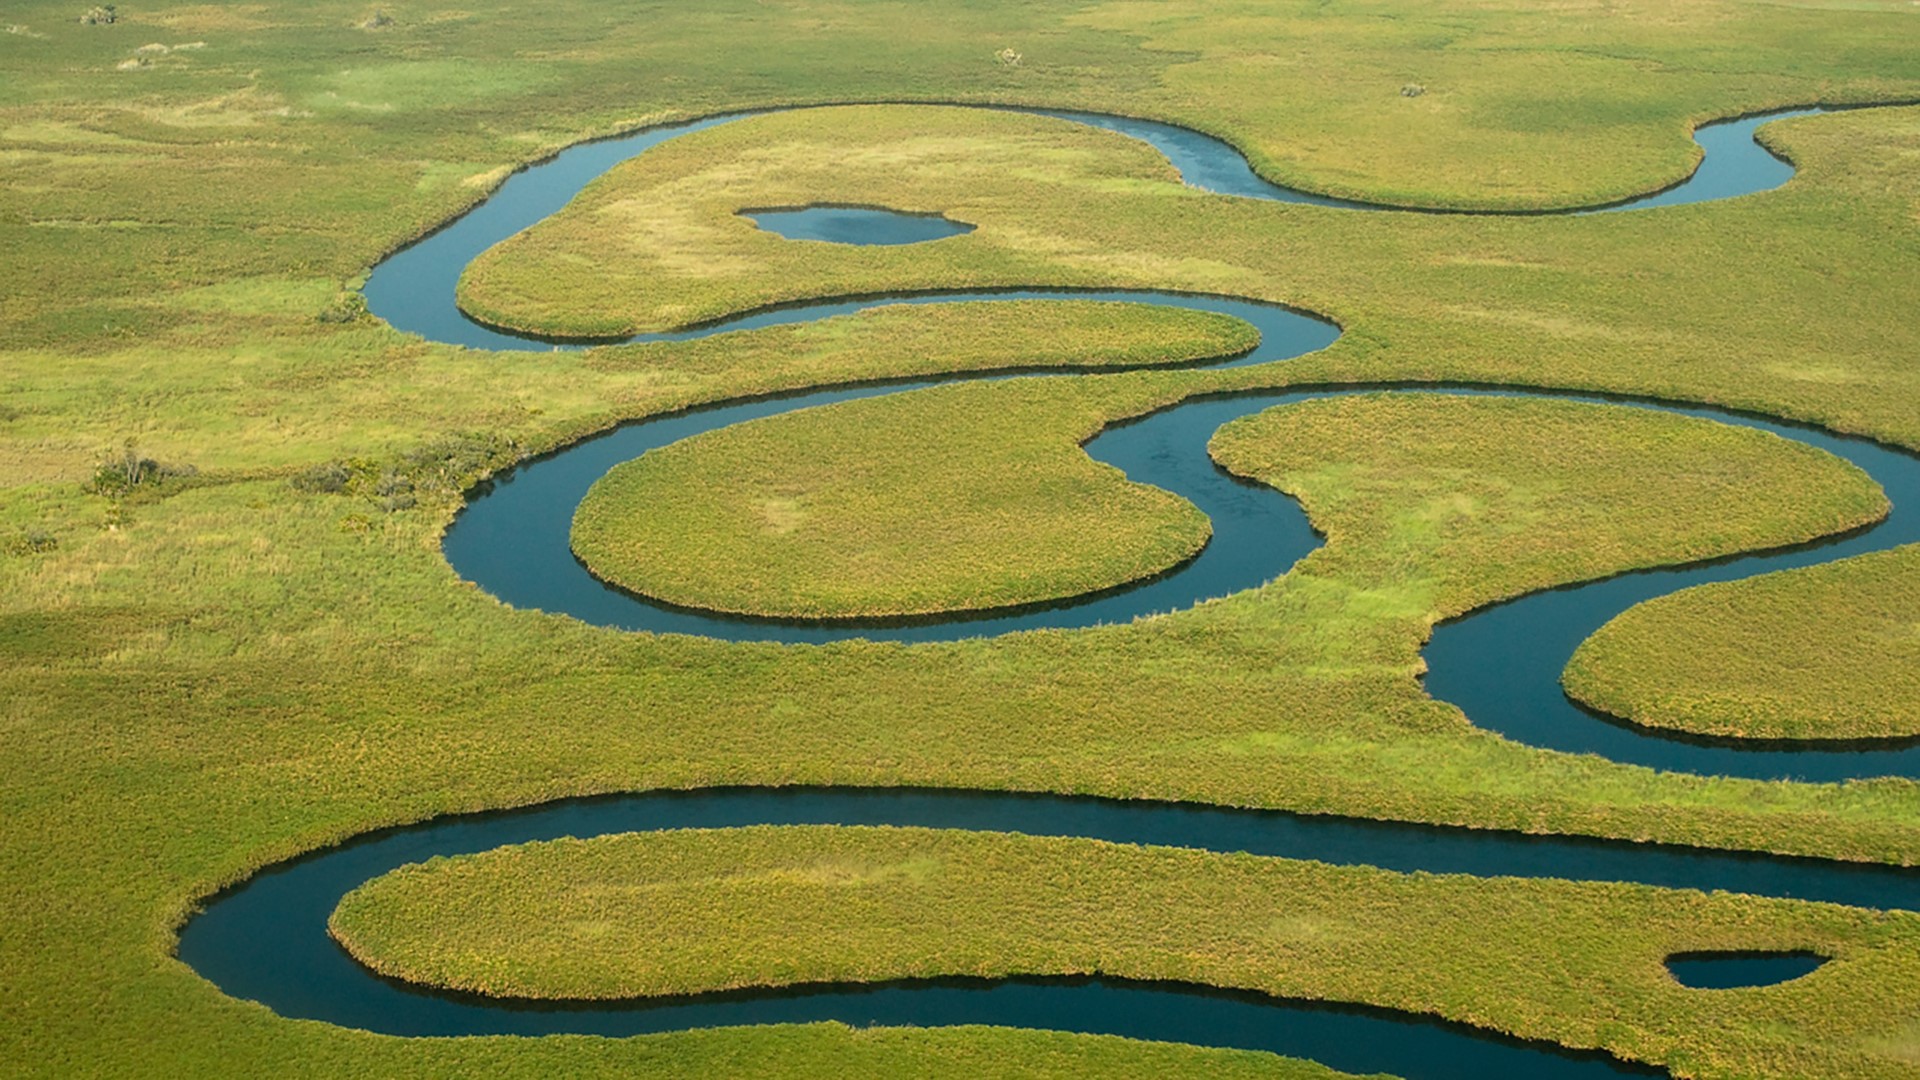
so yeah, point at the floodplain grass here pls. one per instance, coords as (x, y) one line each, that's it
(658, 242)
(1525, 493)
(1580, 964)
(1821, 652)
(1354, 736)
(961, 498)
(240, 670)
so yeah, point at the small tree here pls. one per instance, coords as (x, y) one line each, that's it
(131, 470)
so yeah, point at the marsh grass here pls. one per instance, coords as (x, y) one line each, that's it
(1579, 964)
(1528, 493)
(957, 498)
(243, 670)
(1633, 302)
(1822, 652)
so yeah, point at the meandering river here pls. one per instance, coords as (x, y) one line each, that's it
(266, 939)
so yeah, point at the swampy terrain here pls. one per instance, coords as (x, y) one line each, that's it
(1230, 539)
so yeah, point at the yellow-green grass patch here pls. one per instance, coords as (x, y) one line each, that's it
(1633, 302)
(1821, 652)
(957, 498)
(201, 684)
(658, 242)
(1531, 492)
(1580, 964)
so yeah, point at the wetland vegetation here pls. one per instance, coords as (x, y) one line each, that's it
(208, 673)
(628, 915)
(964, 498)
(1823, 652)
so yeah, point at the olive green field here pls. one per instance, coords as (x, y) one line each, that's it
(1825, 652)
(625, 916)
(229, 634)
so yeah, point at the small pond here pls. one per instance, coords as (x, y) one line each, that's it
(856, 225)
(1728, 970)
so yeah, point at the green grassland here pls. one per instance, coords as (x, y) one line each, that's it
(213, 672)
(1578, 964)
(959, 498)
(1825, 652)
(931, 504)
(937, 488)
(1300, 678)
(1505, 502)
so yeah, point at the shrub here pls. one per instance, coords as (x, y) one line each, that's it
(393, 483)
(328, 479)
(446, 464)
(33, 542)
(132, 470)
(451, 462)
(394, 492)
(103, 15)
(1412, 89)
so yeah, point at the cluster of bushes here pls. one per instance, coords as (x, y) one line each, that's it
(386, 486)
(452, 462)
(446, 465)
(133, 471)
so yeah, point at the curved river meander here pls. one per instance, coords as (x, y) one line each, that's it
(266, 939)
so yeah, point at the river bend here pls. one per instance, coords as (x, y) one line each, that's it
(265, 939)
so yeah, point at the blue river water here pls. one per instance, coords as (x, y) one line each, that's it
(267, 938)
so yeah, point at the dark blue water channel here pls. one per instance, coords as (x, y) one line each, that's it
(1500, 665)
(513, 538)
(414, 287)
(266, 940)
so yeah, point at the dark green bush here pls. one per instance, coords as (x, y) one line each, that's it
(132, 470)
(330, 478)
